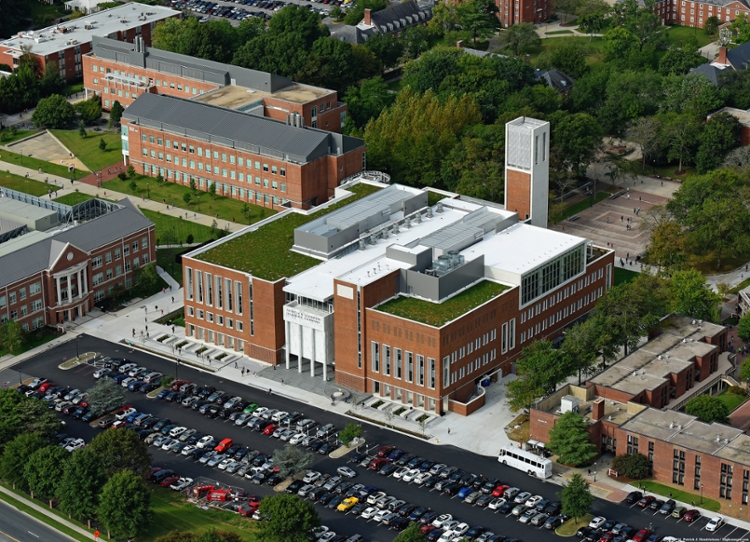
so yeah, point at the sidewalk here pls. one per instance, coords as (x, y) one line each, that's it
(64, 186)
(48, 513)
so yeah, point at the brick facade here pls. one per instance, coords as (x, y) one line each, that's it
(518, 198)
(512, 12)
(689, 13)
(242, 175)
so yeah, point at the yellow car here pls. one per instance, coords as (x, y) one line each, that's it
(347, 503)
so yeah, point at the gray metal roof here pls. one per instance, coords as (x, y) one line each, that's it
(236, 129)
(13, 208)
(38, 257)
(399, 16)
(739, 57)
(364, 208)
(465, 232)
(707, 70)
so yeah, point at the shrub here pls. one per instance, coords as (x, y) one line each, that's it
(636, 466)
(122, 176)
(737, 390)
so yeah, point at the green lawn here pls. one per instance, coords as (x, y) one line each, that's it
(579, 206)
(438, 314)
(173, 513)
(75, 87)
(43, 14)
(266, 253)
(165, 258)
(33, 339)
(35, 163)
(555, 32)
(732, 401)
(181, 227)
(87, 150)
(741, 286)
(682, 496)
(593, 45)
(73, 198)
(676, 34)
(570, 527)
(201, 202)
(6, 137)
(22, 184)
(624, 275)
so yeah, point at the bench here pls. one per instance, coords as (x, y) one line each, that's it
(573, 218)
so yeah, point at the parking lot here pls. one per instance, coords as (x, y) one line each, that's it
(346, 522)
(237, 11)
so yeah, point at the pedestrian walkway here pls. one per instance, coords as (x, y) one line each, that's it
(48, 513)
(62, 186)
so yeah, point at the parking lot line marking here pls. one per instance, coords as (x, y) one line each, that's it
(727, 536)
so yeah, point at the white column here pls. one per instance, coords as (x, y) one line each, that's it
(312, 358)
(85, 275)
(325, 371)
(79, 278)
(59, 291)
(301, 348)
(288, 344)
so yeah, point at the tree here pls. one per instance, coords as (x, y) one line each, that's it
(11, 336)
(15, 456)
(582, 344)
(212, 189)
(666, 246)
(720, 135)
(148, 277)
(634, 466)
(122, 450)
(212, 535)
(105, 396)
(291, 460)
(693, 297)
(51, 82)
(708, 409)
(620, 44)
(646, 133)
(693, 93)
(115, 113)
(479, 17)
(368, 101)
(45, 469)
(520, 36)
(186, 198)
(540, 369)
(743, 327)
(569, 58)
(410, 139)
(131, 171)
(386, 48)
(336, 13)
(350, 432)
(89, 110)
(287, 518)
(576, 140)
(570, 440)
(102, 145)
(53, 112)
(21, 415)
(356, 13)
(681, 136)
(712, 25)
(81, 129)
(745, 372)
(679, 61)
(576, 497)
(412, 533)
(125, 504)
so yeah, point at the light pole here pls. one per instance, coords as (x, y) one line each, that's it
(594, 472)
(701, 493)
(76, 347)
(148, 191)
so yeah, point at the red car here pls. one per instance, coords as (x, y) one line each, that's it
(45, 386)
(385, 451)
(499, 490)
(377, 464)
(609, 536)
(646, 501)
(169, 480)
(270, 429)
(223, 446)
(428, 528)
(691, 515)
(248, 509)
(642, 535)
(177, 383)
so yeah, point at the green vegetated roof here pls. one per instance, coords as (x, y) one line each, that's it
(266, 252)
(438, 314)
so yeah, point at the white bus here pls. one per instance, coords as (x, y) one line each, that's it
(525, 461)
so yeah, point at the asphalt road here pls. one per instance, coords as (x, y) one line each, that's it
(45, 365)
(15, 526)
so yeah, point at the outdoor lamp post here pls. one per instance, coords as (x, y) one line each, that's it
(77, 347)
(594, 472)
(701, 493)
(148, 190)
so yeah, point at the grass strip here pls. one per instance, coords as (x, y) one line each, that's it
(87, 150)
(681, 496)
(44, 518)
(570, 527)
(22, 184)
(35, 163)
(624, 275)
(10, 137)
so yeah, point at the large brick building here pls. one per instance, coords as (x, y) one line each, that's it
(512, 12)
(424, 301)
(250, 158)
(634, 407)
(121, 71)
(66, 43)
(59, 274)
(695, 13)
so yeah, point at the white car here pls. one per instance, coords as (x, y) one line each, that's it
(279, 416)
(101, 372)
(125, 414)
(441, 520)
(447, 536)
(126, 382)
(205, 441)
(258, 412)
(715, 523)
(311, 477)
(225, 463)
(77, 444)
(177, 431)
(421, 478)
(380, 516)
(533, 501)
(597, 522)
(346, 472)
(496, 503)
(71, 395)
(409, 476)
(166, 443)
(182, 483)
(369, 513)
(460, 529)
(187, 449)
(399, 473)
(522, 497)
(297, 438)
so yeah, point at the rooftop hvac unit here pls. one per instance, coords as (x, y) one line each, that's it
(439, 207)
(569, 403)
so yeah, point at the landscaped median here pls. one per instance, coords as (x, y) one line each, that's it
(74, 362)
(570, 527)
(681, 496)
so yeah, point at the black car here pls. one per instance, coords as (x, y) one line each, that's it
(334, 503)
(506, 507)
(195, 437)
(553, 508)
(224, 414)
(316, 444)
(404, 459)
(388, 469)
(206, 391)
(357, 458)
(198, 404)
(88, 416)
(405, 509)
(143, 433)
(452, 489)
(326, 448)
(358, 508)
(343, 487)
(274, 479)
(400, 523)
(258, 461)
(326, 498)
(431, 481)
(633, 497)
(428, 517)
(490, 485)
(260, 425)
(197, 453)
(213, 411)
(158, 476)
(161, 423)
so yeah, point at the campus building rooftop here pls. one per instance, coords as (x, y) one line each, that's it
(672, 351)
(252, 133)
(82, 30)
(683, 430)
